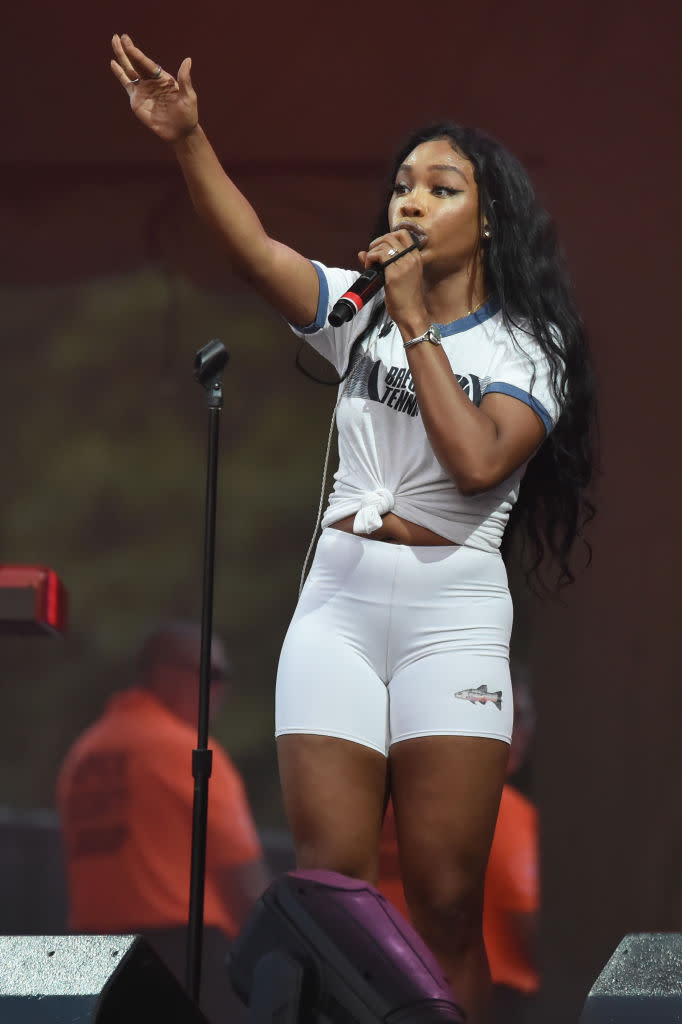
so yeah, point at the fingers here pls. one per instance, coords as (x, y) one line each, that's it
(184, 79)
(380, 250)
(123, 64)
(388, 248)
(122, 77)
(183, 73)
(397, 240)
(144, 66)
(133, 63)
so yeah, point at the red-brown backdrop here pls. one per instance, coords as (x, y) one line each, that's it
(305, 101)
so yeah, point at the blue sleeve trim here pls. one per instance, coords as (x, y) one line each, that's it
(500, 388)
(322, 303)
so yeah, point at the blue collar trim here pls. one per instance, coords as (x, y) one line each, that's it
(465, 323)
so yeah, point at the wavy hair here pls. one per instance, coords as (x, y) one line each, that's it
(524, 267)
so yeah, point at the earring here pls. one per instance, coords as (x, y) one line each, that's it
(486, 232)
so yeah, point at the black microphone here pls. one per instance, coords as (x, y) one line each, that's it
(364, 287)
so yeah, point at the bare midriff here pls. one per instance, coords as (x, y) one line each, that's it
(396, 531)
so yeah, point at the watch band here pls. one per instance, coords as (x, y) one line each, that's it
(431, 334)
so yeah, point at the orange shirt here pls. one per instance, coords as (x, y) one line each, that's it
(511, 885)
(390, 880)
(125, 794)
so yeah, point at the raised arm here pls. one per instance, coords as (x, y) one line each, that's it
(168, 107)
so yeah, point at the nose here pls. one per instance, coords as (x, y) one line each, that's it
(413, 203)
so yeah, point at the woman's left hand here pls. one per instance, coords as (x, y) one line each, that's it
(403, 279)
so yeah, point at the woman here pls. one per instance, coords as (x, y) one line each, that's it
(469, 366)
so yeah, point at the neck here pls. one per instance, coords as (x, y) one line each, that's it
(449, 299)
(179, 702)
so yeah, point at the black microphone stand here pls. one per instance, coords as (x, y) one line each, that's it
(209, 364)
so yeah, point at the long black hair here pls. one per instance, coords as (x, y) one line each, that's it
(524, 268)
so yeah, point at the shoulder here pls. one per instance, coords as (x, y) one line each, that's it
(515, 336)
(334, 282)
(527, 369)
(334, 343)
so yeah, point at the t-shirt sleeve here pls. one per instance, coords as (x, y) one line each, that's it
(334, 343)
(523, 371)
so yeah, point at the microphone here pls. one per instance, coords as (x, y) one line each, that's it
(364, 287)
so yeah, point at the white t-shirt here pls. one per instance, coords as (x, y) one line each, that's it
(386, 462)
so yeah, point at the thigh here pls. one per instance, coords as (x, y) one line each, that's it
(331, 674)
(450, 646)
(334, 794)
(325, 686)
(331, 707)
(452, 691)
(446, 794)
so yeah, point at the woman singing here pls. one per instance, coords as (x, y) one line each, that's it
(467, 372)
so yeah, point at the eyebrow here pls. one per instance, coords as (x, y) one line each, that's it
(435, 167)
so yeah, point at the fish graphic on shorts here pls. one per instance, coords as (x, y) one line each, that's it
(481, 695)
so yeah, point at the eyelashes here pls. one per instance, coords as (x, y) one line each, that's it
(401, 189)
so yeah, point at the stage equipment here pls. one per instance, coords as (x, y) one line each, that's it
(78, 979)
(641, 983)
(209, 363)
(321, 947)
(32, 600)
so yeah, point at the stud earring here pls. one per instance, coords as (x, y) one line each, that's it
(486, 232)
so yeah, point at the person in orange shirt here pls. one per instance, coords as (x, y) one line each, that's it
(512, 896)
(512, 884)
(125, 799)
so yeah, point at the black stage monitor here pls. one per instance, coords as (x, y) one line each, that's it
(88, 979)
(322, 947)
(641, 983)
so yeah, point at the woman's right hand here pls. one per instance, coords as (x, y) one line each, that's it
(166, 106)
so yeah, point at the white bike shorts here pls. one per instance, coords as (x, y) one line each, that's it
(389, 642)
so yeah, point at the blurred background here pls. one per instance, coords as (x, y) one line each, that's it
(108, 286)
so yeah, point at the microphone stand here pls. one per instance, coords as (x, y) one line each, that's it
(209, 364)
